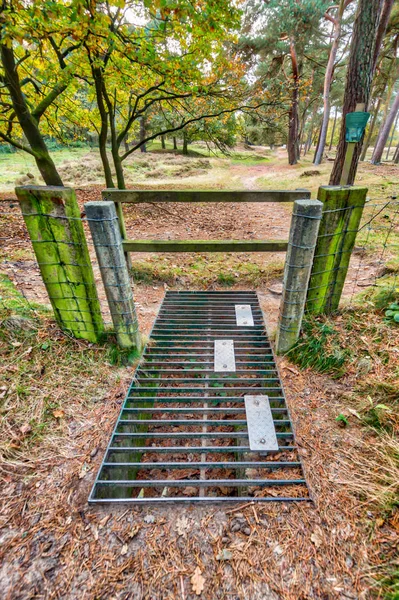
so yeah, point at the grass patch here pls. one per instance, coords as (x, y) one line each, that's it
(50, 379)
(319, 348)
(202, 271)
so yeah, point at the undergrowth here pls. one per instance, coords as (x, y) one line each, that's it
(319, 347)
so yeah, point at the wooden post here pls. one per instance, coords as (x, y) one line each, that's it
(52, 217)
(301, 245)
(105, 231)
(342, 212)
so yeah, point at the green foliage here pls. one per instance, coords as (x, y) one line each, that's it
(392, 314)
(319, 348)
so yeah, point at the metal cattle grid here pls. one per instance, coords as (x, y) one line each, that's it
(182, 433)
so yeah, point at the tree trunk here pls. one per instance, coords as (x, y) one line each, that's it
(293, 117)
(358, 80)
(174, 143)
(163, 142)
(367, 142)
(28, 124)
(327, 83)
(143, 147)
(333, 130)
(396, 155)
(392, 136)
(309, 138)
(384, 133)
(102, 138)
(382, 27)
(185, 143)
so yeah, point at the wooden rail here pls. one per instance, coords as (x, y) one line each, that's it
(205, 245)
(141, 196)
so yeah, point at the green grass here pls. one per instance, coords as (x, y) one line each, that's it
(202, 272)
(319, 348)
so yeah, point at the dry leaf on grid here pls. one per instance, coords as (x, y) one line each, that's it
(197, 581)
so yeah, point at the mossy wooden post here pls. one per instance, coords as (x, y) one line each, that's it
(342, 212)
(301, 245)
(105, 231)
(52, 217)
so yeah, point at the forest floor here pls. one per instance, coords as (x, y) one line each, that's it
(60, 399)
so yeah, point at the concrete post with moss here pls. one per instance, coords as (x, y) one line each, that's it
(105, 231)
(52, 217)
(342, 213)
(301, 245)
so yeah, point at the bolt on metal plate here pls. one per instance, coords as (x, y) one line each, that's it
(244, 317)
(261, 431)
(224, 361)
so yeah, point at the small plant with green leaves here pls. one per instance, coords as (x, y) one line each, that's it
(392, 314)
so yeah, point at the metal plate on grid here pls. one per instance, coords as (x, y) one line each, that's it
(244, 316)
(225, 361)
(261, 431)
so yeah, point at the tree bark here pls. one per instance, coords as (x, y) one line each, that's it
(293, 116)
(174, 143)
(367, 142)
(163, 142)
(28, 123)
(396, 155)
(142, 134)
(102, 137)
(328, 79)
(333, 130)
(392, 136)
(185, 143)
(384, 133)
(359, 78)
(382, 27)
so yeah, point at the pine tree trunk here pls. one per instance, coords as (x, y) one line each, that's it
(333, 130)
(359, 78)
(327, 83)
(367, 142)
(28, 124)
(392, 136)
(384, 133)
(293, 117)
(396, 155)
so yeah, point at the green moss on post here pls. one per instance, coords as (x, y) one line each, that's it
(342, 212)
(53, 221)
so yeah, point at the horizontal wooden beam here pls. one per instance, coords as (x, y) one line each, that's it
(141, 196)
(205, 245)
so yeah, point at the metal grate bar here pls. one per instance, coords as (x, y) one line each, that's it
(182, 418)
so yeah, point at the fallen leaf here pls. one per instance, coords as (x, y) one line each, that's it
(124, 549)
(379, 522)
(182, 526)
(149, 519)
(25, 428)
(224, 555)
(134, 531)
(58, 413)
(83, 471)
(316, 538)
(197, 581)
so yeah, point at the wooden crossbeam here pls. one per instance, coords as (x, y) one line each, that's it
(142, 196)
(205, 245)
